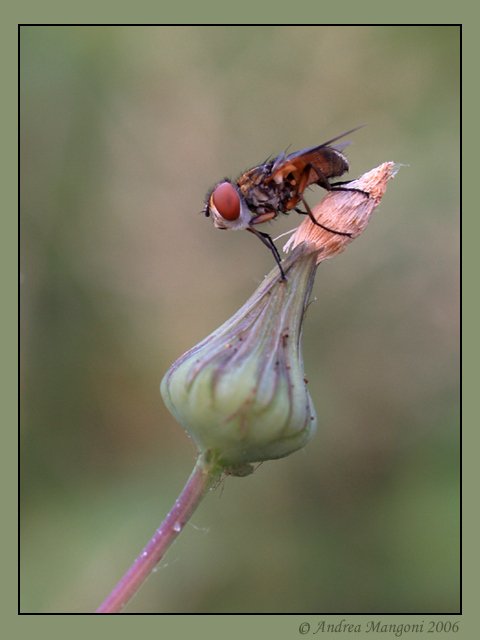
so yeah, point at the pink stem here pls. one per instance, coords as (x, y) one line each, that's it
(198, 484)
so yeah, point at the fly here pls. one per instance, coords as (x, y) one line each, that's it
(277, 186)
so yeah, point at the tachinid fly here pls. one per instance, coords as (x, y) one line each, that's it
(277, 186)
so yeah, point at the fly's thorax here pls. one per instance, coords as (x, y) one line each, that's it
(261, 194)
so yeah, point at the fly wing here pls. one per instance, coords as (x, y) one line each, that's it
(341, 145)
(328, 159)
(347, 133)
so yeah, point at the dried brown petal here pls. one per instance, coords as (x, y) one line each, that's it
(344, 211)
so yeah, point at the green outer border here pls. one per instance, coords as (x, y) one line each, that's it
(237, 626)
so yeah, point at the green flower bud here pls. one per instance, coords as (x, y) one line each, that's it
(241, 393)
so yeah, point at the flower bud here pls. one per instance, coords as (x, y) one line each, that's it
(241, 393)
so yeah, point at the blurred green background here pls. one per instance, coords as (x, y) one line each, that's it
(124, 130)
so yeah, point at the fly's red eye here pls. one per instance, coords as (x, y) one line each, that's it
(226, 201)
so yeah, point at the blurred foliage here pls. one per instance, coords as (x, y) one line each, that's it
(124, 129)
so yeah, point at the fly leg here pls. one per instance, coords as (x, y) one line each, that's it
(336, 186)
(312, 218)
(268, 242)
(323, 182)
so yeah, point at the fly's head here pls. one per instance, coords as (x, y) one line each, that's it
(227, 206)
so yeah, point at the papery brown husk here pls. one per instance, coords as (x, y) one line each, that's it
(345, 211)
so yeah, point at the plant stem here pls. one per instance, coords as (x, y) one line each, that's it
(203, 476)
